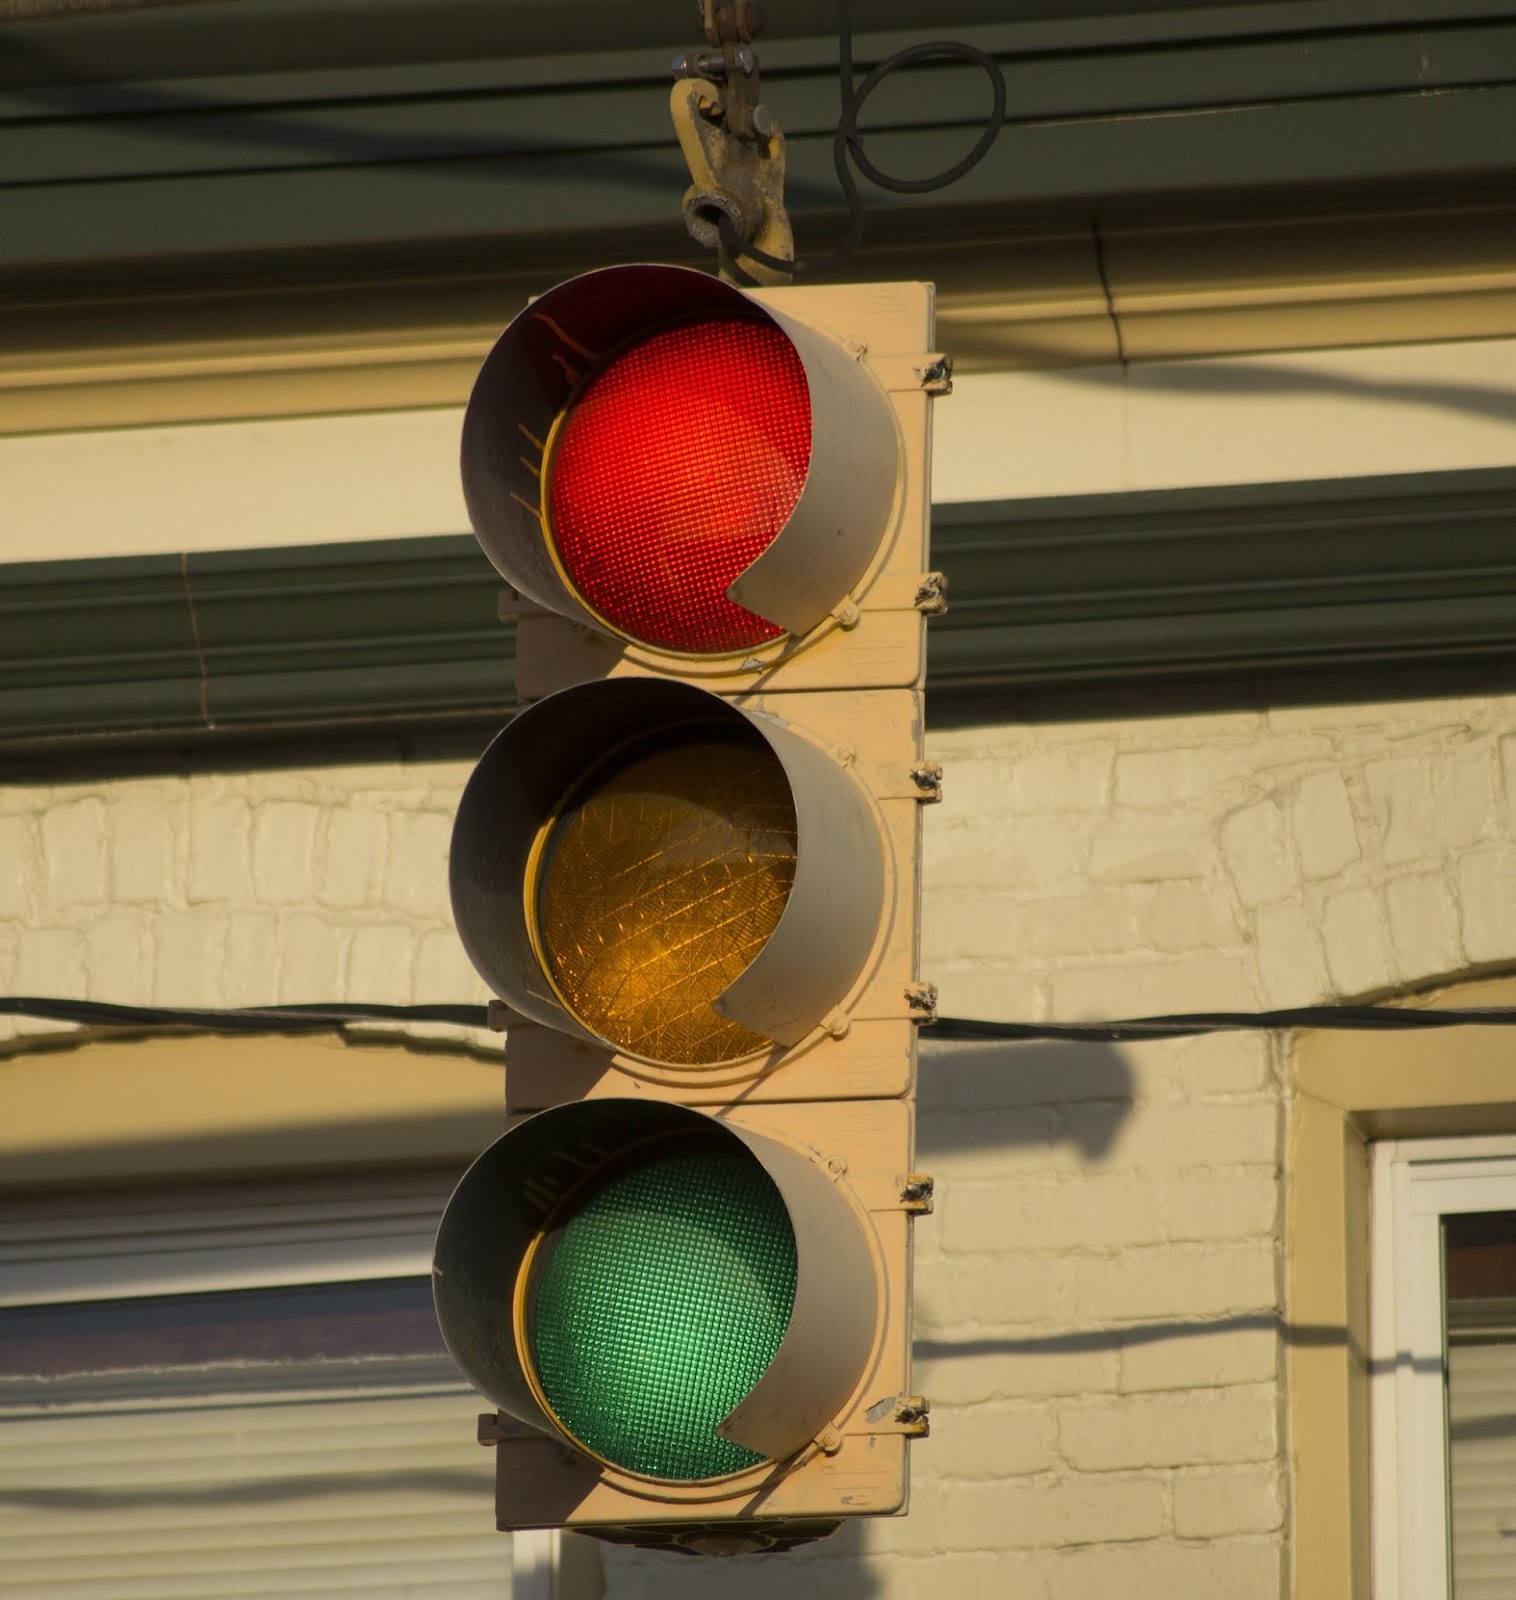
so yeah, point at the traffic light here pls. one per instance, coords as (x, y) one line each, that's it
(719, 485)
(689, 870)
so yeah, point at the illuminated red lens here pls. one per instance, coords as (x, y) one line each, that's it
(676, 466)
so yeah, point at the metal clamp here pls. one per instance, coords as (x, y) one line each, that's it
(732, 144)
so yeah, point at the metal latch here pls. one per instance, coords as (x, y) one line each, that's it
(935, 375)
(732, 144)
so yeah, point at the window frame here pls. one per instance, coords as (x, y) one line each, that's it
(1415, 1184)
(1346, 1091)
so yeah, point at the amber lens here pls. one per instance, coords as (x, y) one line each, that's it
(660, 881)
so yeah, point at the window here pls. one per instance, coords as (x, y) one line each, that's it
(1443, 1364)
(240, 1394)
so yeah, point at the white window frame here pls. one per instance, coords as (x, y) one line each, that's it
(1417, 1182)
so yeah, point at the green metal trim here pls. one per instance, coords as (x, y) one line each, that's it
(188, 130)
(1183, 587)
(1189, 583)
(134, 648)
(383, 162)
(303, 48)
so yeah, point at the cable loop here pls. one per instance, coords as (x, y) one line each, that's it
(940, 51)
(848, 151)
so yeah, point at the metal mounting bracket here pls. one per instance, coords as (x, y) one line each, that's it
(741, 179)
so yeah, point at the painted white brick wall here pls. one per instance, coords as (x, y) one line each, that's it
(1098, 1290)
(233, 889)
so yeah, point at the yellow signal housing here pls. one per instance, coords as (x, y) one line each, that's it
(689, 869)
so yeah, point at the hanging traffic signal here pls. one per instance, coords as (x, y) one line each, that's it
(689, 871)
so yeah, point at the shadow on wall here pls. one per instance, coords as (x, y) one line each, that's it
(1497, 403)
(839, 1568)
(254, 135)
(997, 1096)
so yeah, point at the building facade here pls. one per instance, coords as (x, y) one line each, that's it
(1225, 706)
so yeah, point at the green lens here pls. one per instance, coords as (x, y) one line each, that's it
(659, 1303)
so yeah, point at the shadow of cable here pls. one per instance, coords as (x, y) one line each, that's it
(261, 129)
(1233, 378)
(308, 139)
(1299, 1335)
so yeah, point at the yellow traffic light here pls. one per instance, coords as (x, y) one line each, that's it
(659, 882)
(694, 889)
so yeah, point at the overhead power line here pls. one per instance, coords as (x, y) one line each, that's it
(316, 1017)
(238, 1019)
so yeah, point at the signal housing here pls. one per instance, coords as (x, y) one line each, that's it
(838, 578)
(826, 980)
(815, 1416)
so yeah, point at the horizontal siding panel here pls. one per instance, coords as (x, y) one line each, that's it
(220, 222)
(319, 1242)
(335, 1437)
(375, 1495)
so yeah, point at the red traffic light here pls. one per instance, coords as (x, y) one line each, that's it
(671, 471)
(679, 466)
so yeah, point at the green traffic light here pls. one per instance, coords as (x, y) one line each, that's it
(659, 1301)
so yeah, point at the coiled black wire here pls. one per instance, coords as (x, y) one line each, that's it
(848, 151)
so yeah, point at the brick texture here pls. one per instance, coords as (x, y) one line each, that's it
(233, 889)
(1098, 1297)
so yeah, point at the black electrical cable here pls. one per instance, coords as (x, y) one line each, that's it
(847, 143)
(240, 1019)
(1183, 1025)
